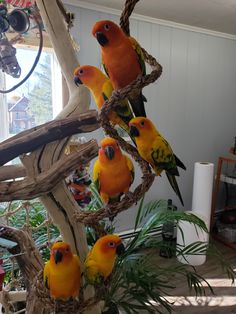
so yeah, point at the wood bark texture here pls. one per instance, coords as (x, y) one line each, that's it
(30, 263)
(29, 140)
(60, 203)
(45, 182)
(45, 164)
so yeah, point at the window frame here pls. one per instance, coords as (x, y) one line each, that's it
(56, 86)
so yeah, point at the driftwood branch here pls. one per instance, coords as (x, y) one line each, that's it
(30, 188)
(60, 203)
(46, 166)
(32, 139)
(14, 296)
(12, 172)
(30, 263)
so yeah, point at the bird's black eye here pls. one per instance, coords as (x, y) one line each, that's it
(111, 244)
(81, 72)
(106, 27)
(67, 249)
(142, 123)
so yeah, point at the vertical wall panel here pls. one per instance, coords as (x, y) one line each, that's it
(193, 103)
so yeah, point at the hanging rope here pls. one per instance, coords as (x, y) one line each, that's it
(124, 19)
(92, 218)
(130, 198)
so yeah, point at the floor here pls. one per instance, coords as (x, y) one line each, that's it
(224, 300)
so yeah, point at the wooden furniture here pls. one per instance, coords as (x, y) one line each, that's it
(226, 174)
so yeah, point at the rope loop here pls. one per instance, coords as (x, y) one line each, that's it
(90, 217)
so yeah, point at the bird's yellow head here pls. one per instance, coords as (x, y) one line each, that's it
(88, 75)
(110, 245)
(142, 128)
(60, 252)
(110, 150)
(107, 33)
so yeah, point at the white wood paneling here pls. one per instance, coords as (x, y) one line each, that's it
(193, 103)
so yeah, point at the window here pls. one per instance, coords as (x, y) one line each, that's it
(35, 102)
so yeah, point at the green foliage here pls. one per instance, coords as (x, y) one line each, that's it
(96, 201)
(95, 204)
(137, 284)
(37, 215)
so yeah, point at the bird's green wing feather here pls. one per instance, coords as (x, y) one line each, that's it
(122, 109)
(124, 112)
(172, 180)
(96, 172)
(46, 273)
(139, 53)
(164, 161)
(131, 167)
(92, 273)
(179, 163)
(162, 155)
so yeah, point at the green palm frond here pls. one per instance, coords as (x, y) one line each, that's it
(137, 284)
(96, 202)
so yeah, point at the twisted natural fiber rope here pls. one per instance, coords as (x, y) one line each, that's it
(92, 218)
(124, 19)
(42, 293)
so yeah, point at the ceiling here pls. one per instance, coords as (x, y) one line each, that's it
(216, 15)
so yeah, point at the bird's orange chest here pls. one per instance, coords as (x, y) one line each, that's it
(114, 178)
(64, 280)
(122, 65)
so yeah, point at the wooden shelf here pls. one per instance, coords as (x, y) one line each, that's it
(224, 241)
(222, 176)
(227, 179)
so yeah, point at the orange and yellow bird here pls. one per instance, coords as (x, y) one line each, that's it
(113, 172)
(154, 148)
(123, 60)
(62, 272)
(101, 259)
(101, 88)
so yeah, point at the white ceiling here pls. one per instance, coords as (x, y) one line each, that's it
(216, 15)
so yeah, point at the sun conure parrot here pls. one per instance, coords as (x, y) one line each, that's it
(100, 260)
(113, 172)
(62, 272)
(123, 60)
(153, 148)
(101, 88)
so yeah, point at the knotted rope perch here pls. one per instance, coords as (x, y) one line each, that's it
(34, 268)
(60, 306)
(124, 18)
(92, 218)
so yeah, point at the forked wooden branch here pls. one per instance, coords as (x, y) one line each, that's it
(29, 261)
(60, 203)
(30, 188)
(28, 141)
(42, 163)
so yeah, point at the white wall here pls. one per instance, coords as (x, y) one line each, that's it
(194, 101)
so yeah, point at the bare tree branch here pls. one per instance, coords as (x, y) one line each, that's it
(31, 139)
(30, 188)
(29, 261)
(12, 172)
